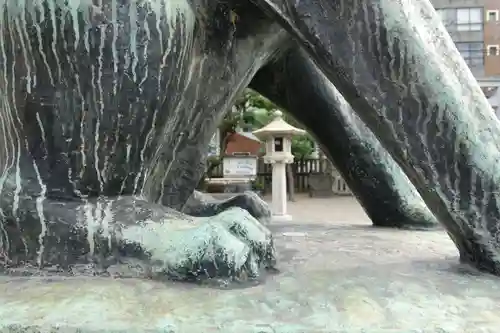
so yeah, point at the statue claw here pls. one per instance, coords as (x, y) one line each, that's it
(202, 204)
(232, 244)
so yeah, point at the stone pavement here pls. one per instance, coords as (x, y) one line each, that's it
(337, 274)
(341, 209)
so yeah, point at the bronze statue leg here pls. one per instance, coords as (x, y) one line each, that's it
(396, 65)
(379, 184)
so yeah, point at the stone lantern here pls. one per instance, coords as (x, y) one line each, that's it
(277, 136)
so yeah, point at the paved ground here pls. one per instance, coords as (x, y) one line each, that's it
(337, 274)
(339, 210)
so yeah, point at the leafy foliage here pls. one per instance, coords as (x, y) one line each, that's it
(250, 112)
(253, 111)
(302, 146)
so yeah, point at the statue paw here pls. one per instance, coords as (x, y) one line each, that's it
(232, 244)
(252, 203)
(202, 204)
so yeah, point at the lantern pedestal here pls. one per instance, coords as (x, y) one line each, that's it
(279, 195)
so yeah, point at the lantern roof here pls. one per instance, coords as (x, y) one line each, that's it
(278, 126)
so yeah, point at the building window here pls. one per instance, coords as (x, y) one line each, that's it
(493, 50)
(472, 53)
(447, 16)
(469, 19)
(492, 15)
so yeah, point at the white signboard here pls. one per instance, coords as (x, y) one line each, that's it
(240, 166)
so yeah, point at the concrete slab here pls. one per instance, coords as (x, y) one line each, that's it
(281, 218)
(334, 278)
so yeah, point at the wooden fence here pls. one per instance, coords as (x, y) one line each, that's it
(300, 168)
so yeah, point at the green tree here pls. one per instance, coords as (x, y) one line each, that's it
(253, 111)
(302, 146)
(256, 111)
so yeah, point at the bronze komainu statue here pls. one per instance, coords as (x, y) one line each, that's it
(107, 108)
